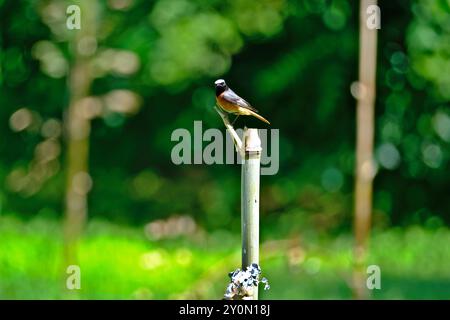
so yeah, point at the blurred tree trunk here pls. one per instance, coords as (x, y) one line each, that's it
(364, 147)
(77, 162)
(77, 126)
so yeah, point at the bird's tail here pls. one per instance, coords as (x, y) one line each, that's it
(259, 117)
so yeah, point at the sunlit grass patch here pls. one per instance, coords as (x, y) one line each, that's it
(122, 263)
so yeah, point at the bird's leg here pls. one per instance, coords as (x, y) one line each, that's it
(235, 120)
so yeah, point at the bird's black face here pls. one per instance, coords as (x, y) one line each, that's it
(221, 86)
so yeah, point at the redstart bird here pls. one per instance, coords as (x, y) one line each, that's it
(230, 102)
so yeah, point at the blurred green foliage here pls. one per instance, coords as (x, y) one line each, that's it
(154, 64)
(120, 263)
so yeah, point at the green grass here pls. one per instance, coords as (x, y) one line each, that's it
(121, 263)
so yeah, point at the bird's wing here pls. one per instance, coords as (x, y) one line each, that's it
(232, 97)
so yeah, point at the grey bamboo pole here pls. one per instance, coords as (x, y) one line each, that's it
(250, 150)
(250, 200)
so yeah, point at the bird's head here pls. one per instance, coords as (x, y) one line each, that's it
(221, 86)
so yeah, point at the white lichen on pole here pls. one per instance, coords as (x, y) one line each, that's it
(250, 200)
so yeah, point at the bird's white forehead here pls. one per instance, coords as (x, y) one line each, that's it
(220, 81)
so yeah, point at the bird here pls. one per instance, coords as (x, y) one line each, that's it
(230, 102)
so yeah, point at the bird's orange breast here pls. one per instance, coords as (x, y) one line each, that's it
(227, 105)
